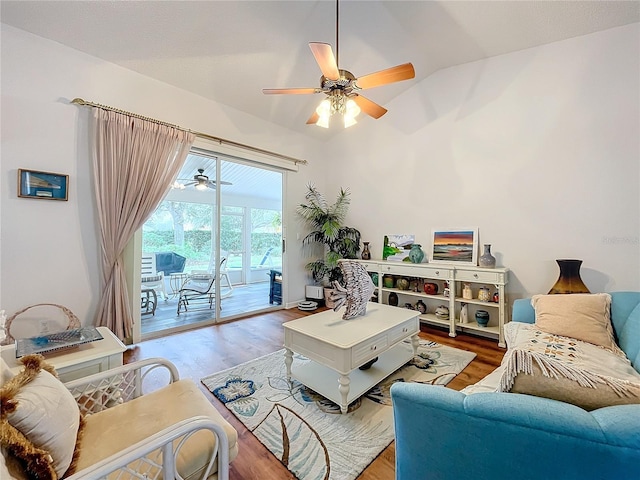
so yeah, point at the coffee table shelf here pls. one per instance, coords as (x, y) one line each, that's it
(324, 380)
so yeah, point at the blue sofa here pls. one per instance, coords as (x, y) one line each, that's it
(445, 434)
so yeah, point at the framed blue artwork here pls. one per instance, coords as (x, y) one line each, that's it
(43, 185)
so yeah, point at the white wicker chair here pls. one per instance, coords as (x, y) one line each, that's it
(173, 432)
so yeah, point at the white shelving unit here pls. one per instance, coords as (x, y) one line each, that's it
(456, 276)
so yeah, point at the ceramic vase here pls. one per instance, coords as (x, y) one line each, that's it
(402, 283)
(366, 253)
(393, 299)
(482, 318)
(487, 260)
(431, 288)
(569, 280)
(467, 293)
(483, 294)
(421, 306)
(416, 254)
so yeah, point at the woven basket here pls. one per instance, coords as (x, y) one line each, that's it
(73, 320)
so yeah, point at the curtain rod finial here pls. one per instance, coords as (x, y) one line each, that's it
(78, 101)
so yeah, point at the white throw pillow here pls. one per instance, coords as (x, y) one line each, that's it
(46, 414)
(584, 317)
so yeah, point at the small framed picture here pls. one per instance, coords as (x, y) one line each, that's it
(454, 245)
(43, 185)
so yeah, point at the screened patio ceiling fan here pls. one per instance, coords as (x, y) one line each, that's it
(200, 181)
(341, 87)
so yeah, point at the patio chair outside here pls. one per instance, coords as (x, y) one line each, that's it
(151, 278)
(193, 293)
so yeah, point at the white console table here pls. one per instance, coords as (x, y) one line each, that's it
(80, 361)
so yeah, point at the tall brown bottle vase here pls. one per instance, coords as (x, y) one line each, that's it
(569, 280)
(366, 253)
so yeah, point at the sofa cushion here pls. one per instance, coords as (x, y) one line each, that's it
(585, 317)
(562, 368)
(40, 419)
(103, 434)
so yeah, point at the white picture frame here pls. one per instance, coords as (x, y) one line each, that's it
(458, 246)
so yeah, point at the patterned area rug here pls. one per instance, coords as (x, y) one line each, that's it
(305, 431)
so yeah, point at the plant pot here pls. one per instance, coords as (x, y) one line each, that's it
(327, 297)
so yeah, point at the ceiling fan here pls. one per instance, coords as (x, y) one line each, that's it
(341, 87)
(200, 181)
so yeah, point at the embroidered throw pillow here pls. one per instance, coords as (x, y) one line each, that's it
(39, 419)
(584, 317)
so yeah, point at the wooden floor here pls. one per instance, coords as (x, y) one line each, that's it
(206, 350)
(253, 297)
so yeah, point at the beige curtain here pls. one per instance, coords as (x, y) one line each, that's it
(135, 161)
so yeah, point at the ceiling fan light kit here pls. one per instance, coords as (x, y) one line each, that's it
(341, 86)
(200, 182)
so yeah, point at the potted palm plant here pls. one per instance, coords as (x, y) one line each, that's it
(327, 229)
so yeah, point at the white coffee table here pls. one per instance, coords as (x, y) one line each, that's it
(338, 347)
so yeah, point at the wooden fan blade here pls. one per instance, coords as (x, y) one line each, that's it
(326, 60)
(370, 108)
(290, 91)
(384, 77)
(313, 119)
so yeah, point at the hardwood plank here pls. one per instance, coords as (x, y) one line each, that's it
(209, 349)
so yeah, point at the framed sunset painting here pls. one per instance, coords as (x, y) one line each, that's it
(454, 245)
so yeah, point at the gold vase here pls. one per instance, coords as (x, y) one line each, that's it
(569, 280)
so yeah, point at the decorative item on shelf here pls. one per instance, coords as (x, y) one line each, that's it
(402, 283)
(388, 281)
(416, 254)
(442, 312)
(431, 288)
(569, 280)
(487, 260)
(496, 297)
(483, 294)
(393, 299)
(414, 285)
(356, 291)
(409, 306)
(467, 293)
(464, 313)
(396, 247)
(374, 297)
(482, 318)
(366, 253)
(454, 245)
(374, 278)
(421, 306)
(446, 290)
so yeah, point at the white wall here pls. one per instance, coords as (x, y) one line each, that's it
(50, 250)
(539, 149)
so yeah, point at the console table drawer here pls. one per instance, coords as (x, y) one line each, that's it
(416, 270)
(410, 327)
(480, 277)
(367, 350)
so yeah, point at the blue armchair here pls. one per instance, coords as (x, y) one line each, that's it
(443, 434)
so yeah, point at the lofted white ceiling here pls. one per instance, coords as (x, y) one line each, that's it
(228, 51)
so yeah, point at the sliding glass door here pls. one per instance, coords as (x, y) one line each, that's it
(217, 240)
